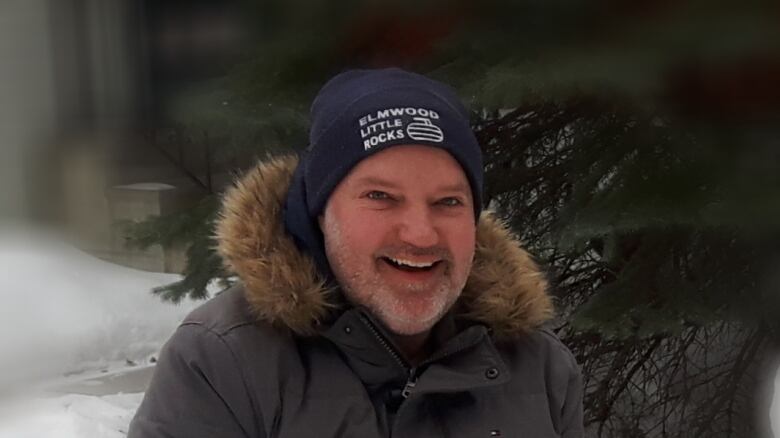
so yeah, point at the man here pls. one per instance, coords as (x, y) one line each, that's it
(376, 298)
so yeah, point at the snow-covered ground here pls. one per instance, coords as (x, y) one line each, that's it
(71, 416)
(774, 410)
(78, 338)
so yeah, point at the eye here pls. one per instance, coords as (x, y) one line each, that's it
(450, 202)
(377, 195)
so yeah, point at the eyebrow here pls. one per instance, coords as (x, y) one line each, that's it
(457, 187)
(372, 180)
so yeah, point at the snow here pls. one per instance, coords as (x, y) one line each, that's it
(774, 410)
(71, 416)
(78, 338)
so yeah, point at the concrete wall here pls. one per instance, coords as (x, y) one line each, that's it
(136, 202)
(28, 109)
(69, 86)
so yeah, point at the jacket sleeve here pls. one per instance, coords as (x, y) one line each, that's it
(566, 389)
(571, 414)
(197, 391)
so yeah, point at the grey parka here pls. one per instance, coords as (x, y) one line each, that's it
(280, 356)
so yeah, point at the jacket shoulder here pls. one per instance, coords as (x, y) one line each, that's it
(544, 343)
(226, 311)
(228, 316)
(542, 365)
(198, 376)
(542, 359)
(558, 350)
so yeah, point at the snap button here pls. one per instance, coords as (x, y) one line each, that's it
(491, 373)
(347, 329)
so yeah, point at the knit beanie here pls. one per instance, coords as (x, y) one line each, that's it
(359, 113)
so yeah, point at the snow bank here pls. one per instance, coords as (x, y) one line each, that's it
(774, 410)
(70, 416)
(64, 311)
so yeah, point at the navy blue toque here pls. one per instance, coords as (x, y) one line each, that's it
(359, 113)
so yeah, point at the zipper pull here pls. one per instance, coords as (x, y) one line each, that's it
(411, 382)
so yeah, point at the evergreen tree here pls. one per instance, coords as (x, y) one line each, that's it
(632, 148)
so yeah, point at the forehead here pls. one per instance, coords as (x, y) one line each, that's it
(410, 166)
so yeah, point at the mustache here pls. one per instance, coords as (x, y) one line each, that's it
(401, 251)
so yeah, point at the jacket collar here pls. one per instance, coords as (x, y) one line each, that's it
(358, 335)
(505, 290)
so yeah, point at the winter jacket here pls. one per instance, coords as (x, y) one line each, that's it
(281, 355)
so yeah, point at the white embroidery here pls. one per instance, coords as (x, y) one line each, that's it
(424, 129)
(391, 124)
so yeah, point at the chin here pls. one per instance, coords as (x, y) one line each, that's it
(411, 325)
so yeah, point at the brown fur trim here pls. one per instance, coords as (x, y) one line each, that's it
(280, 283)
(506, 291)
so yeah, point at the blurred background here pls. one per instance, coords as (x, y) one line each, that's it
(633, 146)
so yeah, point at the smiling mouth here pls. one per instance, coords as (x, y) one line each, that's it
(410, 266)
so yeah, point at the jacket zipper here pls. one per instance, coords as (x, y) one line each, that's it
(411, 372)
(411, 382)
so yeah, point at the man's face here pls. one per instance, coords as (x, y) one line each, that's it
(399, 235)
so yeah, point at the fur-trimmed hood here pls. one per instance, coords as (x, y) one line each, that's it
(505, 290)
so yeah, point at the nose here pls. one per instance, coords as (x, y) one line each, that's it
(417, 227)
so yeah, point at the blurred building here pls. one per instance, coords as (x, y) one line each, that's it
(82, 85)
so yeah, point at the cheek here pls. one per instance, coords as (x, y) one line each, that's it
(361, 240)
(462, 241)
(466, 252)
(361, 234)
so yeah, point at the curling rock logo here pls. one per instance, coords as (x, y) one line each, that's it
(389, 124)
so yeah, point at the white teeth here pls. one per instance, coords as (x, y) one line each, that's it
(411, 263)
